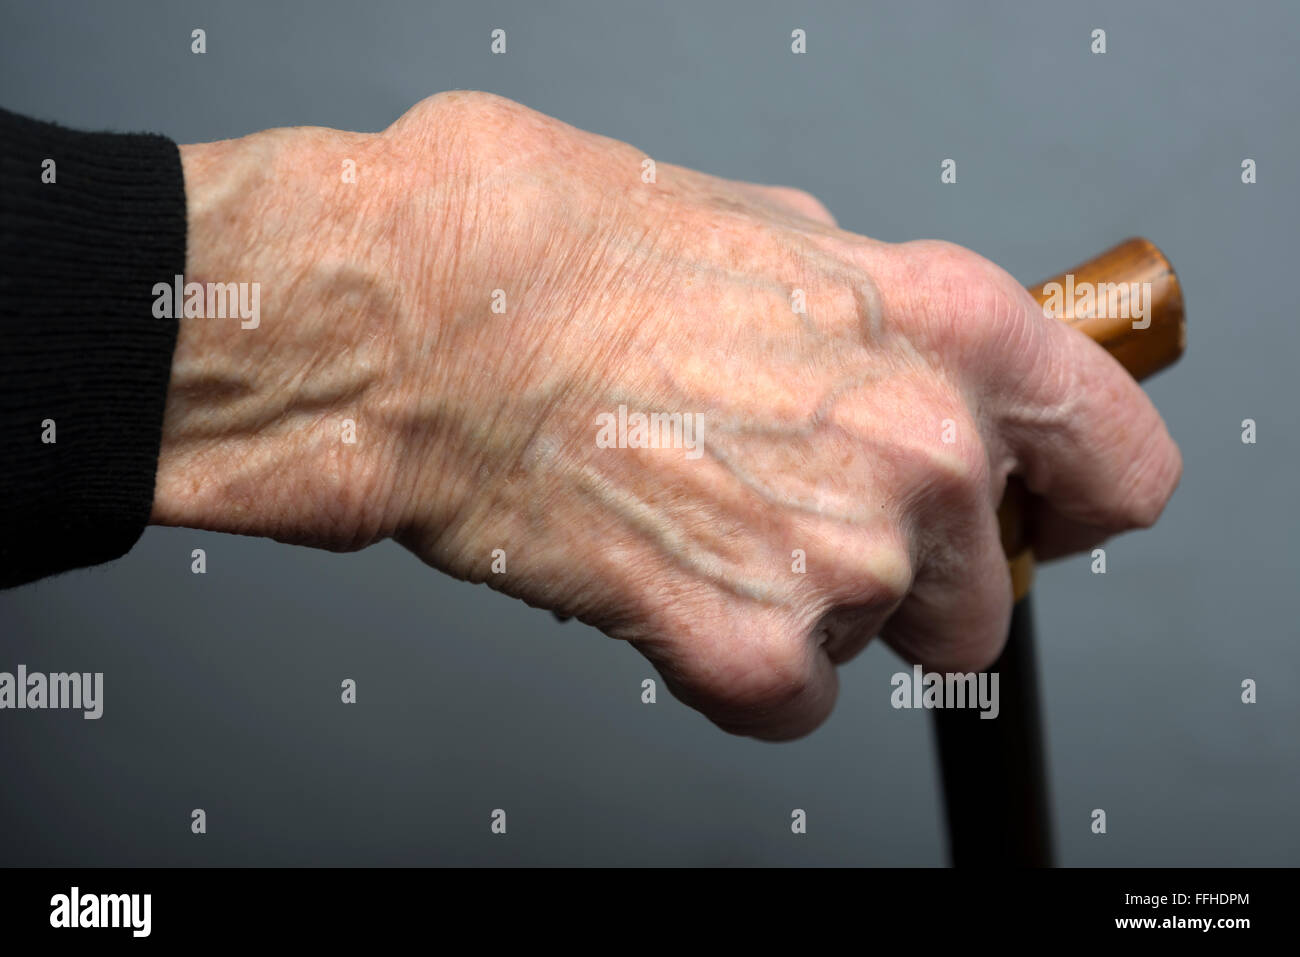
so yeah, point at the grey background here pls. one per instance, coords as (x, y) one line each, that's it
(222, 691)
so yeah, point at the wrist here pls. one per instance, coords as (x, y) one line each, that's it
(272, 423)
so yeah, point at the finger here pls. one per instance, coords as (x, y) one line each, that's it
(1088, 441)
(751, 674)
(1060, 411)
(957, 614)
(1052, 535)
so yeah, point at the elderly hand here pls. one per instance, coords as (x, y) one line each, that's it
(495, 299)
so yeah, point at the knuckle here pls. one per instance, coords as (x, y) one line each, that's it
(740, 667)
(882, 574)
(487, 121)
(965, 299)
(469, 103)
(891, 575)
(776, 673)
(938, 266)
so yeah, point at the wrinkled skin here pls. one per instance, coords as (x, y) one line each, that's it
(822, 431)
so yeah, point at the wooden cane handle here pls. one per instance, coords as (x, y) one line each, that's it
(1129, 300)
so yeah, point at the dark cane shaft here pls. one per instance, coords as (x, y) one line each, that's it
(994, 775)
(994, 770)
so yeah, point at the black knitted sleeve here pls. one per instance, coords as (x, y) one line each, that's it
(89, 222)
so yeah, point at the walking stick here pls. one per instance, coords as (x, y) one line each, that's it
(994, 775)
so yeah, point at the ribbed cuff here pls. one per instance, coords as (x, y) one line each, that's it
(81, 347)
